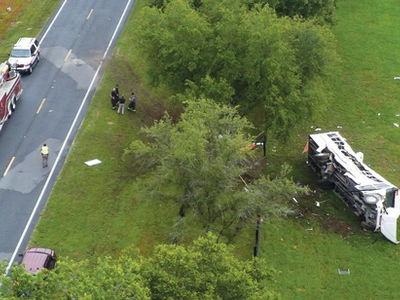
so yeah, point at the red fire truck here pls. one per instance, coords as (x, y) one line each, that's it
(10, 90)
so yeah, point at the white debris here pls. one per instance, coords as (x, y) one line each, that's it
(8, 9)
(318, 204)
(318, 129)
(93, 162)
(339, 127)
(395, 125)
(379, 114)
(344, 272)
(396, 78)
(294, 200)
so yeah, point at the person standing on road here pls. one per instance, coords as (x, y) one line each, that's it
(121, 107)
(132, 104)
(44, 151)
(114, 99)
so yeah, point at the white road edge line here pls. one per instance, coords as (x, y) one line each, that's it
(68, 134)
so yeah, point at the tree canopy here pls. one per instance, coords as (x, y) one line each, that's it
(272, 67)
(322, 10)
(199, 162)
(204, 270)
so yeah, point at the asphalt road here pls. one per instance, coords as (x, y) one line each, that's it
(75, 42)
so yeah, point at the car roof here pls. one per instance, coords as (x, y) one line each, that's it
(24, 42)
(35, 259)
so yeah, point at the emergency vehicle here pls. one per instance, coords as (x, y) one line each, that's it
(10, 91)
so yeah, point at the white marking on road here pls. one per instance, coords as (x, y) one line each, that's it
(55, 18)
(68, 134)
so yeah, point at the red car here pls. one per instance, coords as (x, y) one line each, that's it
(35, 259)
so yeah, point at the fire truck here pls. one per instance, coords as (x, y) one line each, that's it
(10, 91)
(371, 197)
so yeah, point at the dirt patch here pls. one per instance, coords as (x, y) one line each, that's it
(336, 226)
(152, 108)
(328, 221)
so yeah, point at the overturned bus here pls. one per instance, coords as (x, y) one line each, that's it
(372, 198)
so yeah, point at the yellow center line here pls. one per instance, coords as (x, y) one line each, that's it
(90, 13)
(9, 166)
(68, 54)
(40, 106)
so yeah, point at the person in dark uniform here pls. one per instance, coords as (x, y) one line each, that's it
(132, 103)
(121, 104)
(114, 99)
(117, 90)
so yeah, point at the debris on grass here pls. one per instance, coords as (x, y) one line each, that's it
(318, 203)
(93, 162)
(344, 272)
(396, 125)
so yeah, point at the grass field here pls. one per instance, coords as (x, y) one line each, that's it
(93, 211)
(26, 18)
(309, 259)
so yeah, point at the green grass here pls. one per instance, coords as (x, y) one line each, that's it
(25, 19)
(309, 260)
(93, 211)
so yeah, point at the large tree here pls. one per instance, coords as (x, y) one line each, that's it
(204, 270)
(271, 67)
(199, 162)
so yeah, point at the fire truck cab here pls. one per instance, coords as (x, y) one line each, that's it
(10, 91)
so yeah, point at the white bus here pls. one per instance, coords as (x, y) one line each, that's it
(372, 198)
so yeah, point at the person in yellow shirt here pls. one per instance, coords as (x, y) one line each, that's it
(44, 151)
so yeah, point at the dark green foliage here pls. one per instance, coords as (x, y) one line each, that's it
(251, 58)
(322, 10)
(198, 163)
(204, 270)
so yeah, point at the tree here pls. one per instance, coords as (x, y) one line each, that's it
(198, 162)
(204, 270)
(268, 66)
(106, 278)
(321, 10)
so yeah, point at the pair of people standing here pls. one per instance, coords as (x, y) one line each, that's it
(117, 100)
